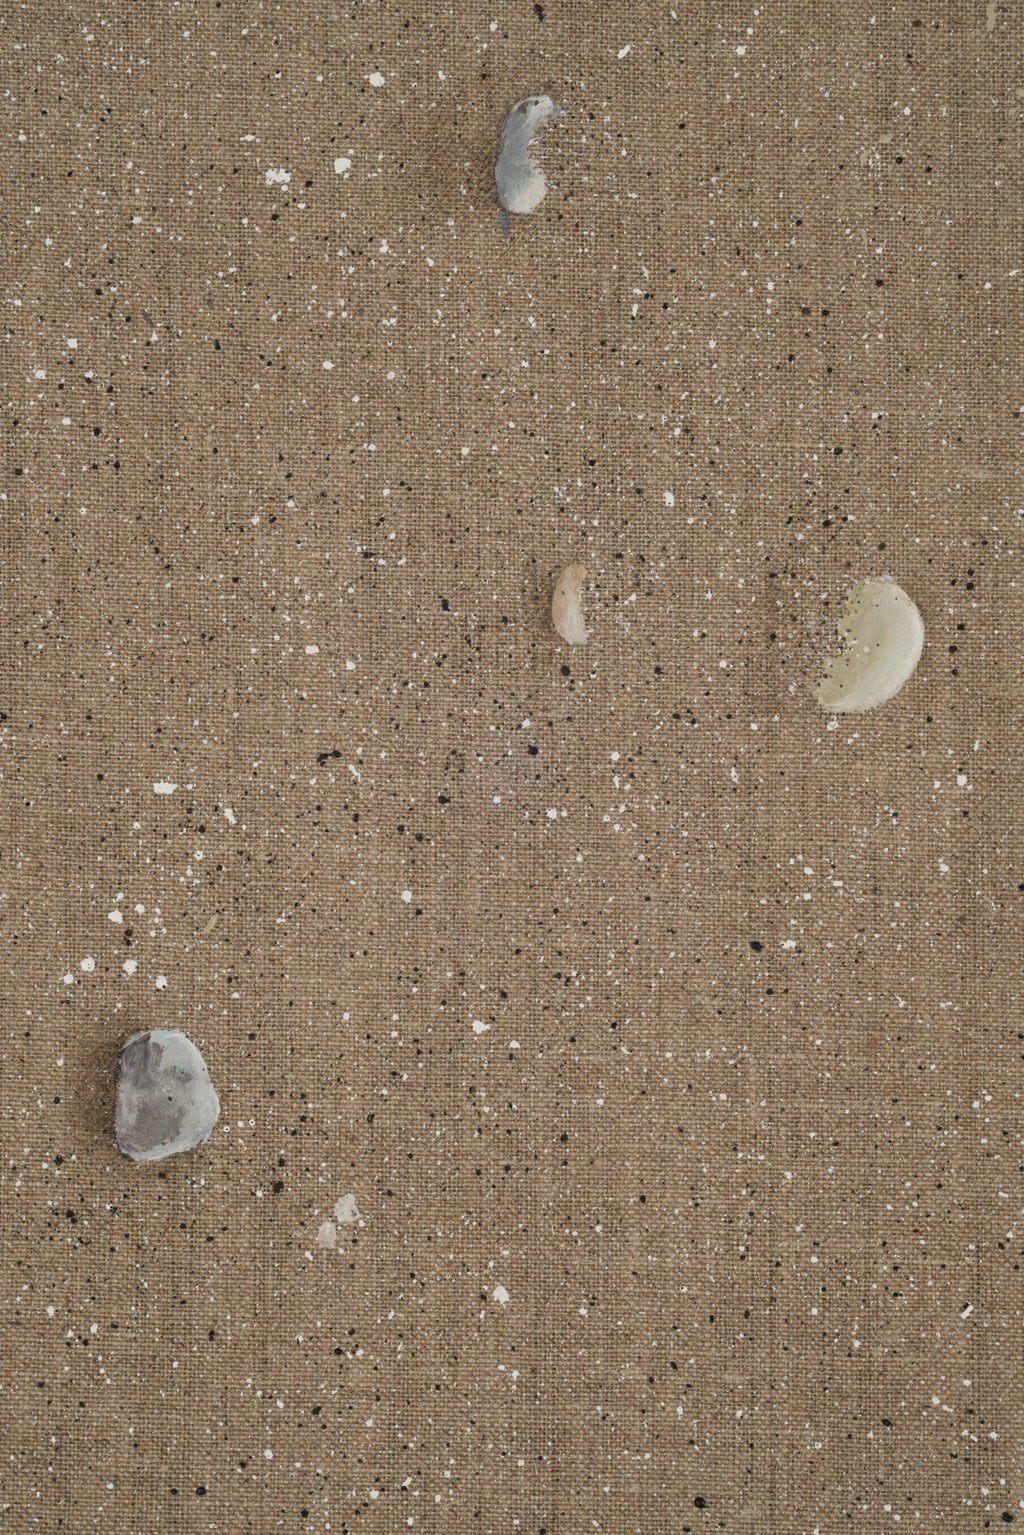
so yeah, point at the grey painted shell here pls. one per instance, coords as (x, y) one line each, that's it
(519, 180)
(166, 1102)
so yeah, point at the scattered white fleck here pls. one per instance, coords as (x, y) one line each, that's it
(88, 963)
(407, 896)
(115, 916)
(69, 979)
(327, 1235)
(268, 1454)
(229, 816)
(278, 178)
(312, 650)
(669, 498)
(552, 813)
(501, 1295)
(72, 343)
(164, 787)
(342, 165)
(327, 365)
(376, 79)
(130, 966)
(161, 983)
(479, 1027)
(965, 1313)
(623, 52)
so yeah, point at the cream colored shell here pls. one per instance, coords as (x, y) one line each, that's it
(566, 613)
(884, 636)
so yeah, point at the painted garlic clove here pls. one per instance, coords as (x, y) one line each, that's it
(166, 1102)
(884, 635)
(520, 181)
(566, 613)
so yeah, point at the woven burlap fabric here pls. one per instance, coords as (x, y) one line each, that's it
(665, 1032)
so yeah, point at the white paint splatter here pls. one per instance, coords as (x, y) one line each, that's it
(312, 650)
(278, 178)
(479, 1027)
(346, 1212)
(327, 1235)
(342, 165)
(624, 52)
(229, 816)
(164, 787)
(115, 916)
(407, 896)
(69, 979)
(161, 983)
(669, 498)
(88, 963)
(501, 1295)
(376, 79)
(130, 966)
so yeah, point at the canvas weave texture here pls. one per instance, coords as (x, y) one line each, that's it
(619, 1056)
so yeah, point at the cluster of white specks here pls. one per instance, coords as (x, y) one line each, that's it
(346, 1213)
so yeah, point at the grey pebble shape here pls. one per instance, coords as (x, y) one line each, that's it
(166, 1102)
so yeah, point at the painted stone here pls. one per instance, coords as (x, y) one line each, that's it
(166, 1102)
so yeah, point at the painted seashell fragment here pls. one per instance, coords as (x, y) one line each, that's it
(520, 181)
(884, 635)
(566, 613)
(166, 1102)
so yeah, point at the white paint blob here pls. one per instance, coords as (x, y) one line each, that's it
(520, 182)
(884, 636)
(346, 1212)
(342, 165)
(164, 787)
(278, 178)
(566, 613)
(501, 1295)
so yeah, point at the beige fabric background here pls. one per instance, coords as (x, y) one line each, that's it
(741, 1140)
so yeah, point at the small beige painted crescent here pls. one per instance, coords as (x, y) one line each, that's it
(884, 635)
